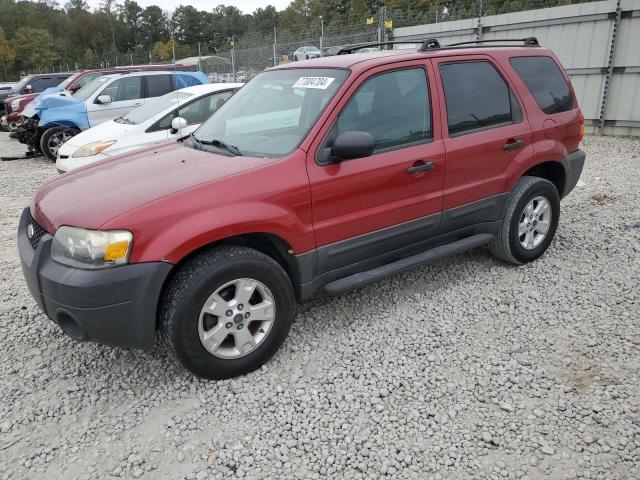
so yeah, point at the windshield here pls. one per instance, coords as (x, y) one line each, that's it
(90, 88)
(67, 81)
(153, 106)
(272, 114)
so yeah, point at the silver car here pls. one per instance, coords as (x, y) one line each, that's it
(305, 53)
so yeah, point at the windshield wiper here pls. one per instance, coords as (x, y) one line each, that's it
(219, 143)
(123, 120)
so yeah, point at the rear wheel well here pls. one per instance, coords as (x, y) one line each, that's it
(552, 171)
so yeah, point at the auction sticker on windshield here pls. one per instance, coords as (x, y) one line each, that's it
(313, 82)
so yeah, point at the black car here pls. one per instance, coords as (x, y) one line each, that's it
(33, 84)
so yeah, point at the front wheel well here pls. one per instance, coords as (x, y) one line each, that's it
(267, 243)
(552, 171)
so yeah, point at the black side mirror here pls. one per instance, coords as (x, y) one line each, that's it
(354, 144)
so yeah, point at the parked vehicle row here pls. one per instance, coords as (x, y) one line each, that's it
(51, 119)
(316, 177)
(170, 116)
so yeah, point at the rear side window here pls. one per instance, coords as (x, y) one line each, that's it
(393, 107)
(477, 97)
(158, 85)
(546, 82)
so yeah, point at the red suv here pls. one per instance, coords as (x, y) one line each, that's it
(316, 177)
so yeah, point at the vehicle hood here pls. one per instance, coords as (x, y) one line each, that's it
(91, 196)
(106, 131)
(27, 96)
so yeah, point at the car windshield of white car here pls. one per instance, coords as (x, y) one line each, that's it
(90, 88)
(272, 114)
(154, 106)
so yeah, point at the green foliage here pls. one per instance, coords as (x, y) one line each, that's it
(122, 31)
(34, 48)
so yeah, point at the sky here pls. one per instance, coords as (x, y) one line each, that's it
(246, 6)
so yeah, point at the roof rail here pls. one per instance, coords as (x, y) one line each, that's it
(425, 42)
(526, 42)
(433, 44)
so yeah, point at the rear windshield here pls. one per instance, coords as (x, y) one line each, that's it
(546, 82)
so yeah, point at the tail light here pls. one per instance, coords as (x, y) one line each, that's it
(581, 128)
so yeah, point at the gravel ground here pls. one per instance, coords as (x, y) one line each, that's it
(468, 368)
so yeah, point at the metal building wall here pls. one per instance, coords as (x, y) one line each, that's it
(581, 36)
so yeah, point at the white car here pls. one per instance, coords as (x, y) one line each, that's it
(305, 53)
(170, 116)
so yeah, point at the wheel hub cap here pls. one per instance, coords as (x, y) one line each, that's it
(534, 223)
(236, 318)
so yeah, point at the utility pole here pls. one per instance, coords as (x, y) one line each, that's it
(199, 58)
(233, 57)
(321, 36)
(479, 33)
(275, 50)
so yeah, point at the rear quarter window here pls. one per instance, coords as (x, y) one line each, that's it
(546, 83)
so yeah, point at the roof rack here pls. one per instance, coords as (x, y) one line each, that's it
(426, 43)
(433, 44)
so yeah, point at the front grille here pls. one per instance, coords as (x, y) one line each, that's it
(38, 231)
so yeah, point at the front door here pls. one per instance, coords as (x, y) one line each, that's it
(393, 198)
(125, 94)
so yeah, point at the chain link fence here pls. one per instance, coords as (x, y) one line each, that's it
(251, 53)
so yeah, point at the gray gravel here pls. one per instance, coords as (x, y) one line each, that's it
(465, 369)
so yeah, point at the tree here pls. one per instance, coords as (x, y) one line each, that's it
(7, 54)
(154, 25)
(34, 48)
(162, 51)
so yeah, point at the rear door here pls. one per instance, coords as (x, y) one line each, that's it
(485, 134)
(373, 205)
(126, 93)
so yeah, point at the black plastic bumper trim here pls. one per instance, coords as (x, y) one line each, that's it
(114, 306)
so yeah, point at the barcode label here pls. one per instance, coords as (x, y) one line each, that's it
(313, 82)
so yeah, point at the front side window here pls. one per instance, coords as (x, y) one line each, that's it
(477, 97)
(198, 111)
(546, 82)
(272, 114)
(126, 88)
(90, 88)
(393, 107)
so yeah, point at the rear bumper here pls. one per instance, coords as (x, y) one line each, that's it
(114, 306)
(573, 165)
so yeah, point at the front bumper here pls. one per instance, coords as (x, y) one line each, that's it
(573, 165)
(114, 306)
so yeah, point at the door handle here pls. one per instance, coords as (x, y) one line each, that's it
(423, 167)
(512, 144)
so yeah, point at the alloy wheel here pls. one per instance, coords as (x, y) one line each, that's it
(236, 318)
(534, 224)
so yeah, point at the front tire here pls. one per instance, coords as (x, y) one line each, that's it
(529, 221)
(53, 138)
(226, 312)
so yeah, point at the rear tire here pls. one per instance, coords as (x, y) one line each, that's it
(204, 300)
(53, 138)
(529, 222)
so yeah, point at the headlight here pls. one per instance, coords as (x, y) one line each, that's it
(15, 105)
(82, 248)
(93, 148)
